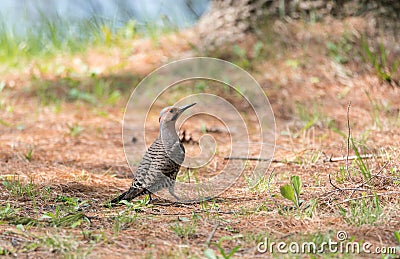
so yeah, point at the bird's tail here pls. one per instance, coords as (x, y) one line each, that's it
(129, 195)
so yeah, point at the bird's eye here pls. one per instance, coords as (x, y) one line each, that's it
(171, 111)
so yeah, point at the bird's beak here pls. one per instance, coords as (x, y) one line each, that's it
(183, 108)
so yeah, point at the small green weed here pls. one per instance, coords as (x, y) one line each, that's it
(7, 212)
(94, 90)
(257, 185)
(58, 218)
(375, 113)
(241, 57)
(29, 154)
(340, 51)
(19, 189)
(57, 243)
(124, 220)
(74, 129)
(315, 117)
(93, 236)
(386, 71)
(210, 254)
(5, 251)
(137, 205)
(341, 175)
(366, 211)
(292, 190)
(189, 175)
(247, 60)
(10, 214)
(362, 166)
(69, 214)
(186, 228)
(127, 217)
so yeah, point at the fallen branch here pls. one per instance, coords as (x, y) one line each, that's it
(344, 190)
(338, 189)
(357, 188)
(191, 212)
(375, 175)
(348, 140)
(346, 158)
(367, 196)
(212, 234)
(247, 158)
(334, 186)
(258, 159)
(386, 177)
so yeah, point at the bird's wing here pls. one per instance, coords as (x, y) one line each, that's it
(178, 152)
(158, 167)
(164, 165)
(144, 166)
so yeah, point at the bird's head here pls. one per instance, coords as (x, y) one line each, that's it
(171, 113)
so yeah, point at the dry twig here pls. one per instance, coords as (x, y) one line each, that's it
(347, 158)
(212, 234)
(248, 158)
(373, 176)
(367, 196)
(258, 159)
(344, 190)
(334, 186)
(348, 140)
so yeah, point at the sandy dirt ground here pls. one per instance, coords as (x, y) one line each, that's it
(68, 157)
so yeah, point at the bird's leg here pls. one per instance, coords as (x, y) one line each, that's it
(151, 200)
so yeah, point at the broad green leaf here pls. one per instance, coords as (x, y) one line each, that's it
(287, 191)
(296, 182)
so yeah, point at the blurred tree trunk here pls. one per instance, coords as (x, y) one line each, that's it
(228, 21)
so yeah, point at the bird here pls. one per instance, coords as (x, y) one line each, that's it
(161, 163)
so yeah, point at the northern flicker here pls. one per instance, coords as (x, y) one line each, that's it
(160, 165)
